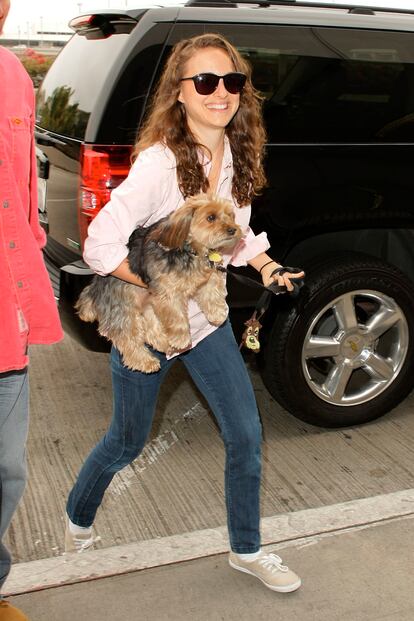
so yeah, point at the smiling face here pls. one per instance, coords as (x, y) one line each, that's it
(4, 9)
(206, 113)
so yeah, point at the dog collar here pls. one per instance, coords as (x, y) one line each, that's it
(215, 260)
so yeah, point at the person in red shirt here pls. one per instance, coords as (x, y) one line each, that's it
(28, 312)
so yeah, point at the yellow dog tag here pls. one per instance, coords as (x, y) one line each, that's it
(215, 256)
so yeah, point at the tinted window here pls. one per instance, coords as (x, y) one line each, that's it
(126, 98)
(328, 85)
(73, 84)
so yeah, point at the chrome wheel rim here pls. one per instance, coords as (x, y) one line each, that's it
(355, 348)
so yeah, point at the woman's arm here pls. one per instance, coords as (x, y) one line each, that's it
(124, 273)
(138, 199)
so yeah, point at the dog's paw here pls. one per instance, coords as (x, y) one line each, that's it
(217, 316)
(179, 342)
(86, 310)
(151, 366)
(158, 342)
(143, 361)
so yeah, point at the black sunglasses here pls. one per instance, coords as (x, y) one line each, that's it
(206, 83)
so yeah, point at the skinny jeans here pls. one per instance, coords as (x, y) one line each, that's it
(218, 370)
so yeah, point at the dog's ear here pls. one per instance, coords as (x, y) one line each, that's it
(175, 230)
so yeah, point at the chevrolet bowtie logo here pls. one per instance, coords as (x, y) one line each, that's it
(353, 345)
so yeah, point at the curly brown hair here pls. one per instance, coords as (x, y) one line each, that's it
(167, 123)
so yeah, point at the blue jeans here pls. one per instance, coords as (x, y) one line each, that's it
(14, 418)
(218, 370)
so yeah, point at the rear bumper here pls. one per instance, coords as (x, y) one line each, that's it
(72, 279)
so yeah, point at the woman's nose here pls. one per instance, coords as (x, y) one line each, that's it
(221, 89)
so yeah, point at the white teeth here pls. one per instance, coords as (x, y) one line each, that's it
(217, 106)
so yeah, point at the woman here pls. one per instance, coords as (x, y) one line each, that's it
(204, 133)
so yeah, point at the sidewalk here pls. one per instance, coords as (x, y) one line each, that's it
(364, 572)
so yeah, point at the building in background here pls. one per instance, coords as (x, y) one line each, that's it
(46, 34)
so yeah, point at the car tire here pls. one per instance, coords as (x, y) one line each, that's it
(343, 354)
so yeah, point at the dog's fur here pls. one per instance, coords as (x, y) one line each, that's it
(171, 256)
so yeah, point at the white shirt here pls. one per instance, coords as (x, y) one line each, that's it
(151, 192)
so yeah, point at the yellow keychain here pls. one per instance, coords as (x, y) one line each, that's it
(250, 337)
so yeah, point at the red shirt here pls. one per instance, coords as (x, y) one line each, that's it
(28, 311)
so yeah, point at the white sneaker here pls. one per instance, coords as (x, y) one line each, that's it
(269, 569)
(79, 542)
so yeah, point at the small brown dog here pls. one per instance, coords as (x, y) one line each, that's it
(178, 258)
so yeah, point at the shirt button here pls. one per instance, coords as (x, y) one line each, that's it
(19, 284)
(6, 204)
(12, 244)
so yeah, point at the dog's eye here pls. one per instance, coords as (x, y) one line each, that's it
(211, 217)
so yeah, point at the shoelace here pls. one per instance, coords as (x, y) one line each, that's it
(273, 562)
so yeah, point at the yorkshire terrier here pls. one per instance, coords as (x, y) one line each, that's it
(178, 258)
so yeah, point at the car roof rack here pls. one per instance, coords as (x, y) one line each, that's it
(359, 9)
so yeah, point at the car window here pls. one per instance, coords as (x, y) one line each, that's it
(127, 98)
(73, 84)
(328, 84)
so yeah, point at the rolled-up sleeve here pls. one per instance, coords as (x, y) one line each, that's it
(249, 247)
(140, 196)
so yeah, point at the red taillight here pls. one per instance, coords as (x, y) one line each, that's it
(103, 167)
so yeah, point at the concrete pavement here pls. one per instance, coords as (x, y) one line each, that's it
(176, 485)
(358, 573)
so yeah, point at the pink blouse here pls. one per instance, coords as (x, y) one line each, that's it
(151, 192)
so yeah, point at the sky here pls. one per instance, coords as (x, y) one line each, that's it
(32, 15)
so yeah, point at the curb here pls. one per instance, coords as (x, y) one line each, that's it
(284, 530)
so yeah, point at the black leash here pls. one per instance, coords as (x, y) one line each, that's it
(250, 337)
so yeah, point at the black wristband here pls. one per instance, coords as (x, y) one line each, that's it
(268, 263)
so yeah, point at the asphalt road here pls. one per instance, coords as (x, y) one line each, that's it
(176, 486)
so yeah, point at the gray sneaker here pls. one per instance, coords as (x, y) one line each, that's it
(269, 569)
(79, 542)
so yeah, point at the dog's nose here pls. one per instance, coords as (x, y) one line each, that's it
(231, 231)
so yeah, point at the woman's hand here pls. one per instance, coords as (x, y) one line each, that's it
(265, 266)
(282, 280)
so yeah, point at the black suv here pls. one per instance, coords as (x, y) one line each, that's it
(338, 83)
